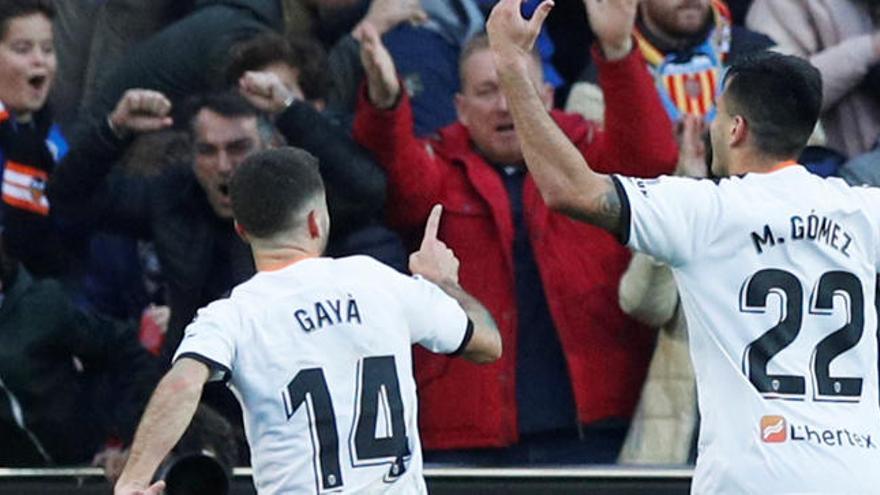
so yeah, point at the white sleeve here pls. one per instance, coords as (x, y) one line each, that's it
(210, 339)
(436, 321)
(669, 218)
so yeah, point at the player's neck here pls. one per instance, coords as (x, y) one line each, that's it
(268, 260)
(758, 163)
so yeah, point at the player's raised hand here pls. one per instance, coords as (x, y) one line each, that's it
(511, 36)
(612, 21)
(266, 91)
(383, 86)
(434, 260)
(155, 489)
(140, 110)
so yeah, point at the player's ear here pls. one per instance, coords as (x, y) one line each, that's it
(240, 230)
(739, 130)
(314, 224)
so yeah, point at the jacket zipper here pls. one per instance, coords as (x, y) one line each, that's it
(18, 415)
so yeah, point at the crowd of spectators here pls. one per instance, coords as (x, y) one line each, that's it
(122, 121)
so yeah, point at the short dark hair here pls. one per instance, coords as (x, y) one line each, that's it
(303, 53)
(269, 187)
(229, 104)
(10, 9)
(780, 97)
(226, 103)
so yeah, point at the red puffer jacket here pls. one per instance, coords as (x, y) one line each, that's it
(463, 405)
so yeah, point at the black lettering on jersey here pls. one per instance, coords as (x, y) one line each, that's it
(846, 246)
(353, 313)
(336, 306)
(322, 315)
(821, 230)
(305, 322)
(327, 313)
(761, 241)
(797, 228)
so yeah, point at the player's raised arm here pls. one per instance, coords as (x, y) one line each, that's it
(167, 416)
(437, 263)
(565, 180)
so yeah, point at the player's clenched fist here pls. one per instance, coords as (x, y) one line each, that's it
(140, 110)
(434, 260)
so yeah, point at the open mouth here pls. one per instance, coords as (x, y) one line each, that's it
(504, 128)
(37, 82)
(224, 190)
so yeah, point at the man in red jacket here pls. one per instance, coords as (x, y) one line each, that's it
(574, 363)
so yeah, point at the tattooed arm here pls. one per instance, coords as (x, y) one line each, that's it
(565, 180)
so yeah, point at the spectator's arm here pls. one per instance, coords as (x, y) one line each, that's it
(167, 416)
(94, 150)
(355, 183)
(346, 73)
(384, 125)
(344, 58)
(843, 66)
(648, 292)
(113, 347)
(81, 189)
(638, 138)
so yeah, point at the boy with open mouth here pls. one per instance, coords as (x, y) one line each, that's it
(30, 144)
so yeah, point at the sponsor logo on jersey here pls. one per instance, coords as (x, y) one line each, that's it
(775, 429)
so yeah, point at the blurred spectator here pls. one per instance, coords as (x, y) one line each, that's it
(426, 56)
(299, 65)
(53, 359)
(425, 52)
(30, 146)
(842, 39)
(185, 209)
(93, 36)
(738, 10)
(299, 61)
(30, 143)
(687, 44)
(863, 169)
(327, 20)
(189, 56)
(576, 363)
(663, 428)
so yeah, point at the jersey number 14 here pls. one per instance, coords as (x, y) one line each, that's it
(379, 388)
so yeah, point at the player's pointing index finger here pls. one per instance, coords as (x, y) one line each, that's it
(433, 224)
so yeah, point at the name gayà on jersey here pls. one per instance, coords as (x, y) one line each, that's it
(328, 312)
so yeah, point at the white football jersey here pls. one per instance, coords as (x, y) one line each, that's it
(777, 277)
(319, 355)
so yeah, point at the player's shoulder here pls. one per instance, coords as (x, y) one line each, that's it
(666, 184)
(365, 265)
(221, 310)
